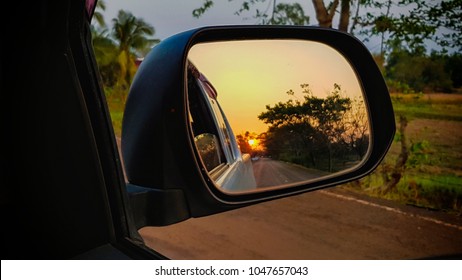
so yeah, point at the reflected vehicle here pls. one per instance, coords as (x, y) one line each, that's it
(307, 117)
(214, 138)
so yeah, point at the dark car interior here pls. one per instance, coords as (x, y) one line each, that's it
(58, 163)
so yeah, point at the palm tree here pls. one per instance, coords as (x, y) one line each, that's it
(132, 35)
(98, 15)
(105, 49)
(106, 54)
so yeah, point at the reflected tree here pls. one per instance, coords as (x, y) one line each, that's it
(329, 133)
(250, 143)
(356, 122)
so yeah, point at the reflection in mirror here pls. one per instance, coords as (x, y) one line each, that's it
(295, 108)
(209, 150)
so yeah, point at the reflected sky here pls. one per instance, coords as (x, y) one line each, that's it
(249, 75)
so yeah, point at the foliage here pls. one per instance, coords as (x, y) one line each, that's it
(284, 14)
(98, 15)
(115, 51)
(447, 14)
(416, 22)
(281, 13)
(405, 27)
(419, 153)
(432, 191)
(131, 34)
(452, 66)
(249, 143)
(117, 48)
(422, 21)
(410, 72)
(106, 52)
(115, 97)
(243, 143)
(198, 12)
(432, 176)
(323, 133)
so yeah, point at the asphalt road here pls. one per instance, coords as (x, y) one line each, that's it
(270, 172)
(326, 224)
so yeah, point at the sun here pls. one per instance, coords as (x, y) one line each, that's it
(252, 142)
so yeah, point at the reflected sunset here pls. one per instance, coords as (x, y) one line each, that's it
(248, 75)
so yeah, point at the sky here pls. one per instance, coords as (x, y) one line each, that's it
(174, 16)
(170, 17)
(248, 75)
(243, 100)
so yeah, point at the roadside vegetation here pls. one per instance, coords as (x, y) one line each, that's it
(431, 175)
(118, 49)
(424, 165)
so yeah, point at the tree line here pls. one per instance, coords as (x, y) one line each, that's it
(329, 134)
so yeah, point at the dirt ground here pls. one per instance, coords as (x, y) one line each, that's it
(328, 224)
(445, 139)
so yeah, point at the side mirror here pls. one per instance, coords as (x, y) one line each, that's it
(223, 117)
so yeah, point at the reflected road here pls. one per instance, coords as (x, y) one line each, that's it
(270, 172)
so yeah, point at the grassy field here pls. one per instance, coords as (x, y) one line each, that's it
(429, 106)
(433, 175)
(116, 109)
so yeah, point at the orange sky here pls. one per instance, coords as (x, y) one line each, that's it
(249, 75)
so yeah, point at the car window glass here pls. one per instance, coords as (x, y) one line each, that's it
(224, 130)
(203, 127)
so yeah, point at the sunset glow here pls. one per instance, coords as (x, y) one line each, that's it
(249, 75)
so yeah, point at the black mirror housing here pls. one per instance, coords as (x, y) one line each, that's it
(160, 158)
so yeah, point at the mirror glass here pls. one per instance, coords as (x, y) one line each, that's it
(209, 150)
(274, 113)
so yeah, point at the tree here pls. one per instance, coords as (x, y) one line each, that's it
(285, 14)
(325, 14)
(356, 136)
(309, 131)
(243, 143)
(249, 143)
(419, 72)
(104, 47)
(281, 14)
(132, 36)
(290, 13)
(106, 53)
(421, 21)
(98, 14)
(417, 22)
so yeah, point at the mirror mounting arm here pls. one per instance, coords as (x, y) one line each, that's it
(155, 207)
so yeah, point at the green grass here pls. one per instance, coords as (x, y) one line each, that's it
(116, 117)
(431, 191)
(421, 106)
(116, 102)
(433, 175)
